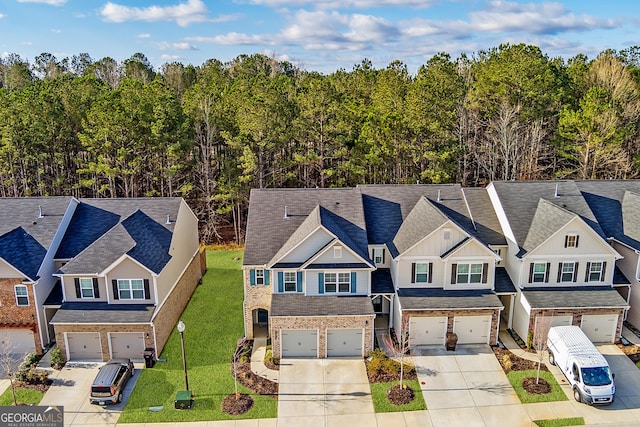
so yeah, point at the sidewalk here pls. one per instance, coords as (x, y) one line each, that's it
(257, 360)
(513, 347)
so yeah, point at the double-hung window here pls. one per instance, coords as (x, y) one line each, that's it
(22, 297)
(259, 277)
(469, 273)
(290, 281)
(539, 272)
(567, 271)
(130, 289)
(422, 273)
(337, 282)
(378, 255)
(595, 272)
(86, 288)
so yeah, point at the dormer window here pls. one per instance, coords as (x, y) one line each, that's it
(337, 251)
(378, 255)
(571, 241)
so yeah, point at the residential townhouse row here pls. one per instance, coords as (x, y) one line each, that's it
(101, 278)
(323, 268)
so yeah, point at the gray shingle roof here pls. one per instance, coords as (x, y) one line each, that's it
(520, 200)
(101, 313)
(547, 220)
(605, 198)
(575, 297)
(503, 283)
(423, 220)
(630, 214)
(381, 282)
(25, 236)
(487, 225)
(440, 299)
(268, 230)
(283, 305)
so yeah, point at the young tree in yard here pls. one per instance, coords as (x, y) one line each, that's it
(542, 326)
(7, 366)
(400, 348)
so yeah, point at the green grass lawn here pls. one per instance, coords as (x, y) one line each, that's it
(560, 422)
(516, 377)
(214, 323)
(23, 395)
(381, 404)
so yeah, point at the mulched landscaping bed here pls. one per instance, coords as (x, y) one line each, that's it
(400, 396)
(254, 382)
(236, 406)
(632, 351)
(43, 387)
(542, 387)
(383, 376)
(517, 363)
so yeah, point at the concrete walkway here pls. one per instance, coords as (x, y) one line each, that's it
(257, 360)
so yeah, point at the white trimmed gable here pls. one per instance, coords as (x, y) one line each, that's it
(307, 248)
(438, 242)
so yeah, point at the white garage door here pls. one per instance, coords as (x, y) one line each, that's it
(344, 342)
(427, 330)
(127, 345)
(17, 341)
(83, 346)
(472, 329)
(600, 327)
(547, 322)
(299, 343)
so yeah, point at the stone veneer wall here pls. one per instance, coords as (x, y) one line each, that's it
(321, 324)
(14, 317)
(257, 296)
(577, 317)
(451, 314)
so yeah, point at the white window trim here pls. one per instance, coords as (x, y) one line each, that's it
(380, 252)
(544, 273)
(426, 273)
(338, 282)
(592, 271)
(295, 281)
(468, 274)
(259, 277)
(15, 291)
(90, 288)
(573, 272)
(130, 282)
(575, 240)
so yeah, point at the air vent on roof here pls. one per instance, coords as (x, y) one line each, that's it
(286, 213)
(168, 220)
(439, 199)
(40, 215)
(556, 195)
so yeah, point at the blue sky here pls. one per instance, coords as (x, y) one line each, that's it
(321, 35)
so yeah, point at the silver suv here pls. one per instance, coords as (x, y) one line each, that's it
(108, 386)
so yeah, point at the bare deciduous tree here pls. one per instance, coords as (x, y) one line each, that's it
(542, 326)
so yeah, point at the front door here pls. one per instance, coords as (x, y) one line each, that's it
(377, 304)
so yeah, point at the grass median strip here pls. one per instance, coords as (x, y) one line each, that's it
(560, 422)
(382, 404)
(556, 393)
(25, 396)
(214, 323)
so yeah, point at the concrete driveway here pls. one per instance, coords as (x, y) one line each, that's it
(71, 387)
(467, 388)
(324, 392)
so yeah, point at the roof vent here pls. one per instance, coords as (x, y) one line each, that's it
(286, 213)
(439, 198)
(40, 214)
(168, 220)
(556, 195)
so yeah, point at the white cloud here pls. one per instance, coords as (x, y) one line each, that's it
(56, 31)
(344, 4)
(176, 46)
(144, 36)
(232, 39)
(183, 14)
(1, 16)
(49, 2)
(166, 57)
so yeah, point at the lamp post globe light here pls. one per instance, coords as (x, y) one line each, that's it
(181, 328)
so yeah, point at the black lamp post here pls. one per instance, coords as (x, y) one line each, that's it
(181, 327)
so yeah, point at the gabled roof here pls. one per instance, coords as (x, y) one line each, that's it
(268, 230)
(520, 200)
(27, 229)
(145, 239)
(606, 199)
(547, 220)
(423, 220)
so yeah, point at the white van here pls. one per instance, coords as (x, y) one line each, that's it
(584, 366)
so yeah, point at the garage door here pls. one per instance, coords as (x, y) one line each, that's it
(472, 329)
(128, 345)
(600, 327)
(84, 346)
(344, 342)
(299, 343)
(547, 322)
(17, 341)
(427, 330)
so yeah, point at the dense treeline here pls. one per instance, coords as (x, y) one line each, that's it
(101, 128)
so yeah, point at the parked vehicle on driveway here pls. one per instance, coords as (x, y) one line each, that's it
(582, 364)
(108, 386)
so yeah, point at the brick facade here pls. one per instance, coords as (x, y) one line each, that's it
(451, 314)
(164, 321)
(255, 297)
(176, 302)
(14, 317)
(321, 324)
(577, 317)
